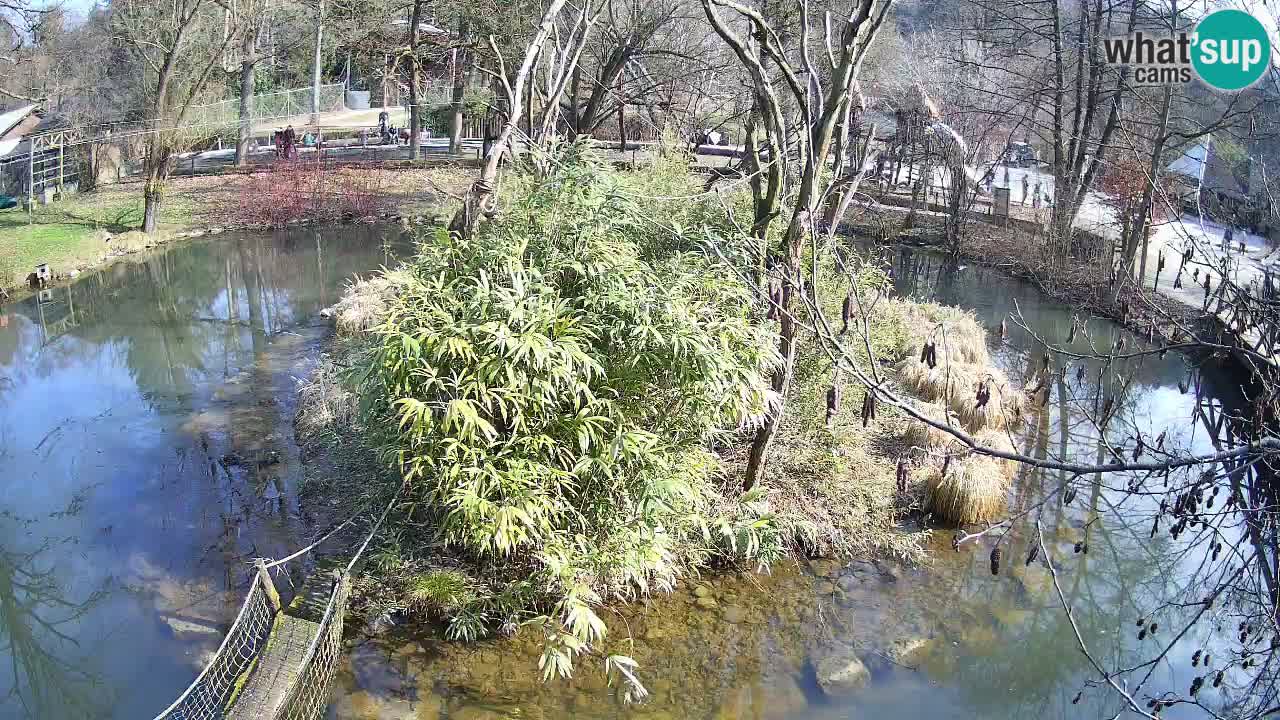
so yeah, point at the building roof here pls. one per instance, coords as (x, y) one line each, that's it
(1191, 163)
(1212, 170)
(11, 119)
(1224, 175)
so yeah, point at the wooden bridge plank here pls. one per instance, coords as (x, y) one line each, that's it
(277, 668)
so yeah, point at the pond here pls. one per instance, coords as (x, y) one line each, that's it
(147, 452)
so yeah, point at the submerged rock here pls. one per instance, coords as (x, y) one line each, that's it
(187, 627)
(826, 567)
(908, 651)
(841, 673)
(706, 602)
(848, 583)
(734, 614)
(889, 573)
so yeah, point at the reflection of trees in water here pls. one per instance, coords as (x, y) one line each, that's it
(173, 310)
(1130, 570)
(178, 322)
(38, 626)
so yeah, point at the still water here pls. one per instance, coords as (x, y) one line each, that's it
(948, 640)
(146, 453)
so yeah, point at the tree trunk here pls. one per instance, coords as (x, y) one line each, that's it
(622, 118)
(152, 193)
(480, 197)
(1143, 214)
(315, 70)
(757, 458)
(575, 82)
(247, 71)
(459, 89)
(414, 79)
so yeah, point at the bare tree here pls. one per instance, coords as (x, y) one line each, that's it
(822, 100)
(181, 47)
(481, 197)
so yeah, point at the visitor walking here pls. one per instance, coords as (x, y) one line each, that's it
(1025, 185)
(290, 139)
(1035, 196)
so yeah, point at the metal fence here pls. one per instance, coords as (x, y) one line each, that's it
(39, 175)
(309, 696)
(208, 697)
(285, 103)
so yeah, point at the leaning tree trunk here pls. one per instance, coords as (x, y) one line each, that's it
(483, 192)
(1143, 214)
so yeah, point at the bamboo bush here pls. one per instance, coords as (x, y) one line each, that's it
(549, 389)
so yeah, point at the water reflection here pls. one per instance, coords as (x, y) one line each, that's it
(51, 674)
(155, 397)
(946, 641)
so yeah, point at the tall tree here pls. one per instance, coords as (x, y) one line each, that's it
(415, 78)
(821, 99)
(179, 46)
(461, 68)
(315, 68)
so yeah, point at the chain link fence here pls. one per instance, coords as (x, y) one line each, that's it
(285, 103)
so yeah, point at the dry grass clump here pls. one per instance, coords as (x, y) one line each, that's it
(364, 303)
(324, 402)
(1002, 410)
(972, 490)
(947, 382)
(956, 385)
(922, 435)
(1001, 441)
(975, 486)
(958, 335)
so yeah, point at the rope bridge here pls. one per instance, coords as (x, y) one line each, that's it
(276, 662)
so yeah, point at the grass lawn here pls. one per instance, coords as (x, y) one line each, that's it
(67, 234)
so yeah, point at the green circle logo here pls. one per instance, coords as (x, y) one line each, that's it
(1232, 50)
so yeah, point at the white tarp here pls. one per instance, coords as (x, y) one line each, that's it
(1192, 162)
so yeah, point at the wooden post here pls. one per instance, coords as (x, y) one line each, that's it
(61, 154)
(31, 176)
(622, 120)
(268, 585)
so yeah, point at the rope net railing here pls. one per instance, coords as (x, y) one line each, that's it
(208, 697)
(309, 696)
(213, 692)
